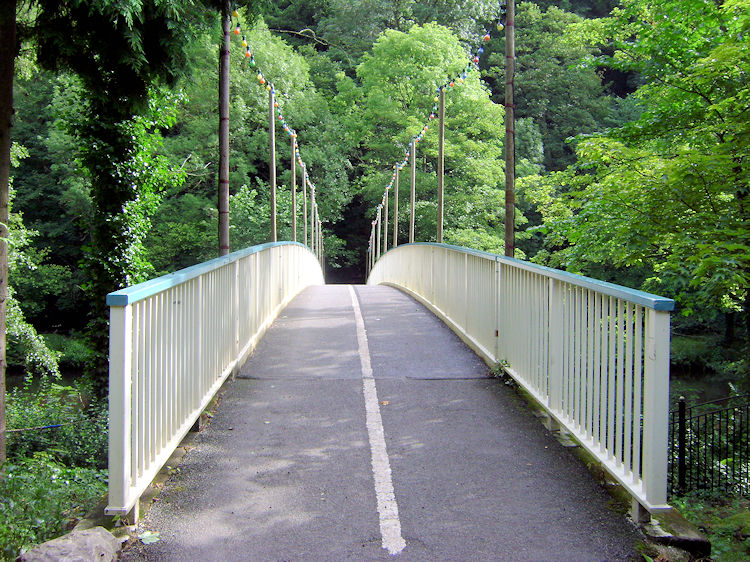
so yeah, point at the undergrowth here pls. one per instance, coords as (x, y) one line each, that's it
(42, 499)
(724, 520)
(54, 475)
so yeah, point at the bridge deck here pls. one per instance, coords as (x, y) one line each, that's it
(284, 471)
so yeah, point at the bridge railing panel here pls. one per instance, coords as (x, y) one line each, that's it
(595, 355)
(173, 342)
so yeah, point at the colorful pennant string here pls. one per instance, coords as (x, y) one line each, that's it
(398, 166)
(447, 86)
(278, 110)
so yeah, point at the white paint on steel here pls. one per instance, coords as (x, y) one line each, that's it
(390, 525)
(595, 355)
(173, 342)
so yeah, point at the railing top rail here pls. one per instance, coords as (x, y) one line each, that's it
(743, 399)
(151, 287)
(642, 298)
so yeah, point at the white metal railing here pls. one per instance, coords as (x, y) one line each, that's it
(173, 342)
(595, 355)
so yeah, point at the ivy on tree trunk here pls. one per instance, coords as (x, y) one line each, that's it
(8, 49)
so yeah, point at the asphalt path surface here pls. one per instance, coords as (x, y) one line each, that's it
(287, 469)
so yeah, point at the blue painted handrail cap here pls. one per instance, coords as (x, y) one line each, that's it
(642, 298)
(141, 291)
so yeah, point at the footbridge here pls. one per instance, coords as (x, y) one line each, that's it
(362, 421)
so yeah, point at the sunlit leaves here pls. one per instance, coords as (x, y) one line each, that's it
(666, 194)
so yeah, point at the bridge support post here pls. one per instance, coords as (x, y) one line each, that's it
(510, 129)
(294, 187)
(638, 513)
(441, 165)
(313, 233)
(385, 223)
(120, 385)
(133, 517)
(413, 190)
(395, 207)
(272, 163)
(304, 202)
(236, 310)
(555, 333)
(223, 195)
(379, 226)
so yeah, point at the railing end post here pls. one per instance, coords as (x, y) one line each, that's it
(120, 415)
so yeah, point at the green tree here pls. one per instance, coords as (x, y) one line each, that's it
(563, 97)
(185, 223)
(53, 192)
(668, 192)
(399, 80)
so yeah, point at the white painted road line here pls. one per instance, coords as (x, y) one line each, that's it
(390, 525)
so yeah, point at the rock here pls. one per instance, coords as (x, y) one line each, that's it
(672, 529)
(78, 546)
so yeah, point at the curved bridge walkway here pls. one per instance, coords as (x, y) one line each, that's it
(389, 441)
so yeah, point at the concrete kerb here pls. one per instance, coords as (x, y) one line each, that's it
(668, 530)
(667, 534)
(125, 529)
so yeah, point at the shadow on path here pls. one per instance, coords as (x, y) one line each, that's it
(283, 472)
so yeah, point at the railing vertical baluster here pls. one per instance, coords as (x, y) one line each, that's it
(628, 386)
(142, 385)
(159, 401)
(199, 319)
(590, 388)
(596, 369)
(543, 332)
(638, 392)
(612, 386)
(581, 364)
(727, 454)
(572, 338)
(619, 415)
(711, 446)
(556, 331)
(604, 373)
(236, 311)
(499, 307)
(150, 353)
(170, 314)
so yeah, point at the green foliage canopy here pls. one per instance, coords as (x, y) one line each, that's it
(669, 191)
(399, 81)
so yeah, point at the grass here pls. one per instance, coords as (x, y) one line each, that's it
(725, 520)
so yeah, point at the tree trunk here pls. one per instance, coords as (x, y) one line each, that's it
(8, 49)
(226, 20)
(729, 328)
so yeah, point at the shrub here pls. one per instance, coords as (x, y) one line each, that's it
(81, 439)
(41, 499)
(75, 352)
